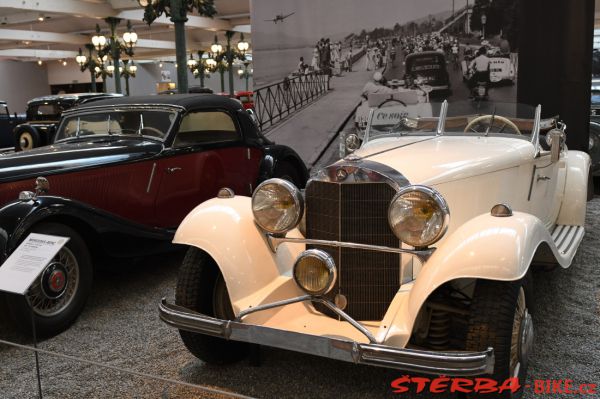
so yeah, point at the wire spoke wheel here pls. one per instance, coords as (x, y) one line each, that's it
(55, 289)
(522, 336)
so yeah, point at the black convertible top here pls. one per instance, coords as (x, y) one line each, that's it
(186, 101)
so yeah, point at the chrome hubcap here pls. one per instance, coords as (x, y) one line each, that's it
(54, 280)
(522, 336)
(55, 289)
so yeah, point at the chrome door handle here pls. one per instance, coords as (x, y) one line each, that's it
(173, 170)
(544, 178)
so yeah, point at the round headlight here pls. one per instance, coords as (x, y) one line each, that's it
(315, 272)
(277, 206)
(418, 216)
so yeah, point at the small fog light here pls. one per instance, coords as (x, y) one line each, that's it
(315, 272)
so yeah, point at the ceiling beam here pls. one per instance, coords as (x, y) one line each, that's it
(36, 53)
(67, 38)
(38, 36)
(192, 22)
(72, 7)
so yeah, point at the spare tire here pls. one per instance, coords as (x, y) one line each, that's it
(26, 138)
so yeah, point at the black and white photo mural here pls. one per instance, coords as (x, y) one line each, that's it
(433, 49)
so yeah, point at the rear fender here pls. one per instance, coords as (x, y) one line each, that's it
(225, 229)
(573, 207)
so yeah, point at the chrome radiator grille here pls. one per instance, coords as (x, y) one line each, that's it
(356, 213)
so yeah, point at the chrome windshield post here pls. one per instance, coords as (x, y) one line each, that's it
(442, 120)
(535, 134)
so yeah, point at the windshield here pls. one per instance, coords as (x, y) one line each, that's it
(148, 123)
(394, 119)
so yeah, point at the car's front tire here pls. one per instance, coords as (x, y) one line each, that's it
(201, 287)
(499, 318)
(58, 295)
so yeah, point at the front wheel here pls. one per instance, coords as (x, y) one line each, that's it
(500, 318)
(201, 287)
(58, 295)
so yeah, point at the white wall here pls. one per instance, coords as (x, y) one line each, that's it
(22, 81)
(59, 74)
(148, 74)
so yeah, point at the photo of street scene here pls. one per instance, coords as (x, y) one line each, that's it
(415, 51)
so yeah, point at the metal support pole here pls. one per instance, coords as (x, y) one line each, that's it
(115, 50)
(92, 66)
(229, 34)
(222, 73)
(179, 18)
(127, 84)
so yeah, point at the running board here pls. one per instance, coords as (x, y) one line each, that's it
(567, 239)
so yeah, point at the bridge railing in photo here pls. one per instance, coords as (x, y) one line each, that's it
(279, 100)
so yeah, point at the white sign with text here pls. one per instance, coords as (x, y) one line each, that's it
(26, 263)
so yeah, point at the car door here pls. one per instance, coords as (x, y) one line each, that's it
(207, 154)
(547, 186)
(7, 124)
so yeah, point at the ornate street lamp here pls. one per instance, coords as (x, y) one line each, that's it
(200, 66)
(88, 63)
(245, 73)
(243, 45)
(128, 72)
(113, 46)
(177, 10)
(230, 55)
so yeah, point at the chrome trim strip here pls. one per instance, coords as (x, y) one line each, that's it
(535, 134)
(442, 119)
(356, 170)
(274, 242)
(450, 364)
(303, 298)
(151, 178)
(272, 305)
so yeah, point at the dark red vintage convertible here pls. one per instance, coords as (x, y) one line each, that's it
(120, 176)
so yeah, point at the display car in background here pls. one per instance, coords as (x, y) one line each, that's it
(43, 115)
(428, 68)
(415, 252)
(8, 122)
(594, 139)
(122, 175)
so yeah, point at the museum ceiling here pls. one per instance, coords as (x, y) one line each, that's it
(49, 29)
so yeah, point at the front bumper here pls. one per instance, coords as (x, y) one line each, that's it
(418, 361)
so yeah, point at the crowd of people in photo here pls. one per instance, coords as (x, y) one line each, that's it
(328, 58)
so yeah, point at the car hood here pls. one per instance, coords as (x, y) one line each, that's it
(75, 155)
(441, 159)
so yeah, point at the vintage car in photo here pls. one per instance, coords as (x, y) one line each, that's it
(8, 122)
(119, 178)
(428, 68)
(415, 252)
(43, 116)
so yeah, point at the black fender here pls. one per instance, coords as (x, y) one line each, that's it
(103, 232)
(44, 131)
(275, 154)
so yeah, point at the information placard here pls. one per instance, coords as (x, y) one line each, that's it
(26, 263)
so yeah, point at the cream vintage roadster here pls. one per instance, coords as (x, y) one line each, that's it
(415, 252)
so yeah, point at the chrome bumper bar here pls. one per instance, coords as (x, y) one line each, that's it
(418, 361)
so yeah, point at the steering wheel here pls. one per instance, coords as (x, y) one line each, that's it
(151, 131)
(491, 119)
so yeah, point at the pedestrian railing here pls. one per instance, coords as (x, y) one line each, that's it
(279, 100)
